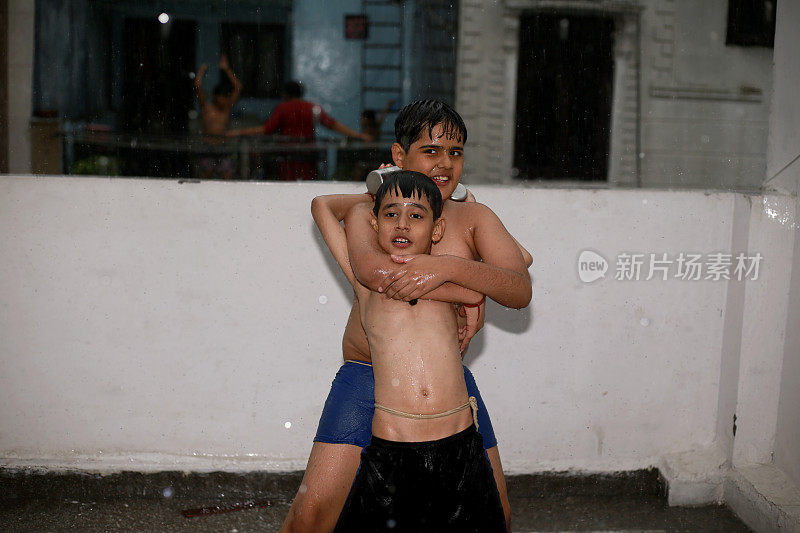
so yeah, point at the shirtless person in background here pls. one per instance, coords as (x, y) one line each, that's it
(476, 252)
(216, 116)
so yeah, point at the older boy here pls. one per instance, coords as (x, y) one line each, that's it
(425, 468)
(430, 139)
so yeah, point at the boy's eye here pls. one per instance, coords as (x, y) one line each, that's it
(416, 215)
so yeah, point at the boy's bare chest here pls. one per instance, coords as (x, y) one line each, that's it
(457, 240)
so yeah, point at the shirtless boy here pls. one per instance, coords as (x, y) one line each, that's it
(425, 468)
(430, 139)
(216, 116)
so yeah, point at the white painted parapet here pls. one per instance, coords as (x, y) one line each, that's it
(154, 325)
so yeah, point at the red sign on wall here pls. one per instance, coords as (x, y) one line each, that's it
(355, 27)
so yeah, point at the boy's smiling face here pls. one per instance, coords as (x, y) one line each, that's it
(435, 155)
(406, 226)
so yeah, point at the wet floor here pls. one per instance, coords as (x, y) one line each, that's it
(259, 502)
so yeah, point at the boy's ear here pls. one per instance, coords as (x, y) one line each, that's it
(438, 230)
(398, 155)
(373, 221)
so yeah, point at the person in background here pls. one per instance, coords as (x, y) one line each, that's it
(368, 159)
(372, 125)
(216, 116)
(296, 118)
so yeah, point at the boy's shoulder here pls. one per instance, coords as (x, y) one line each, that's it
(361, 209)
(474, 212)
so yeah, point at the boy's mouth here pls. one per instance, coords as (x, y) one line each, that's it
(441, 180)
(401, 242)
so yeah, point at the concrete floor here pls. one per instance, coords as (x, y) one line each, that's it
(155, 502)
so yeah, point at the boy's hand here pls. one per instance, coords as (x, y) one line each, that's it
(419, 275)
(223, 62)
(475, 317)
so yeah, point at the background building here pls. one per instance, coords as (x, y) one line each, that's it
(603, 92)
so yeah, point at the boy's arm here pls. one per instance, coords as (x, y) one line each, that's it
(328, 211)
(225, 67)
(340, 204)
(371, 264)
(450, 292)
(198, 85)
(384, 112)
(502, 276)
(526, 256)
(253, 130)
(344, 130)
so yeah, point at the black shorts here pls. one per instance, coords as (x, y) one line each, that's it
(441, 485)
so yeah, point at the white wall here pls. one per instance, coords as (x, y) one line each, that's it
(783, 173)
(147, 324)
(705, 105)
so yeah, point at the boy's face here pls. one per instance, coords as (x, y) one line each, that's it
(434, 155)
(406, 226)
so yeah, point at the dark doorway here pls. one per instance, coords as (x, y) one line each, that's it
(564, 96)
(157, 91)
(4, 89)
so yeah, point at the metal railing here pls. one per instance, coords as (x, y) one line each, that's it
(255, 157)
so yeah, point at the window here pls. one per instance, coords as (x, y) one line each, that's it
(256, 53)
(751, 23)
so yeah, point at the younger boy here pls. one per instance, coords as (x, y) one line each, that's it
(426, 468)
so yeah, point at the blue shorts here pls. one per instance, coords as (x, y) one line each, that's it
(347, 415)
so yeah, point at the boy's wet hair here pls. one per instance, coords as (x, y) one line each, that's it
(409, 184)
(223, 88)
(414, 118)
(293, 89)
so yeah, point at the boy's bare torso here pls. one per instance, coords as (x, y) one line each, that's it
(216, 119)
(457, 240)
(416, 364)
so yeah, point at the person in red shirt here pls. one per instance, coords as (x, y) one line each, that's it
(295, 118)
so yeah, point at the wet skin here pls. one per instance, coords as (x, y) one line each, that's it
(415, 350)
